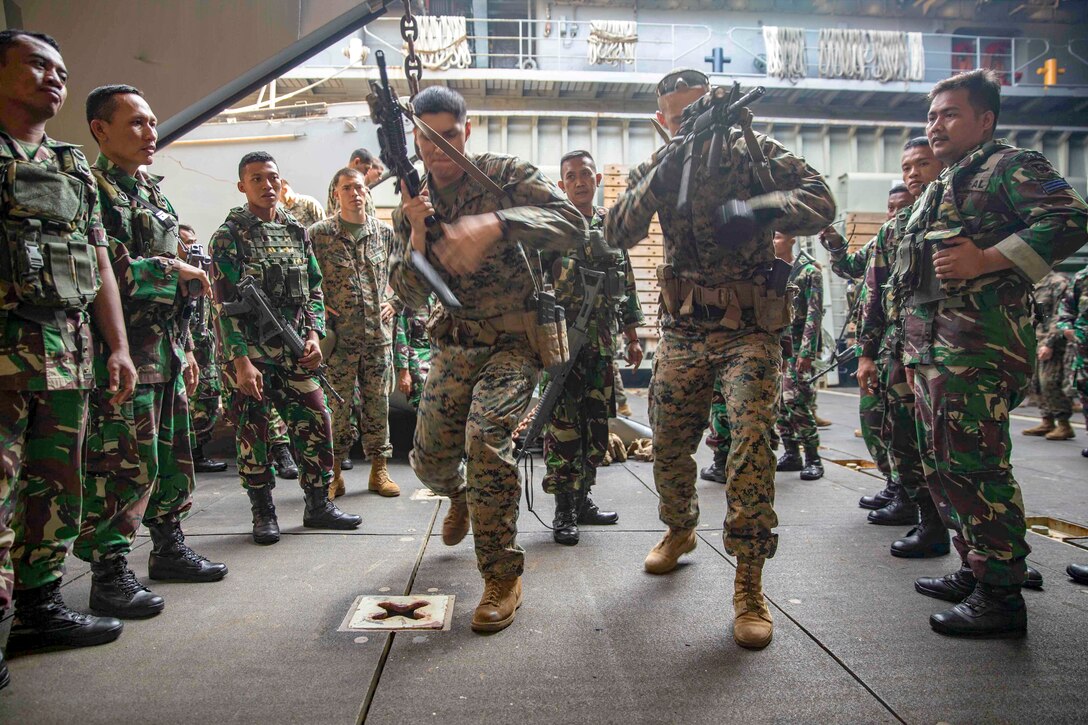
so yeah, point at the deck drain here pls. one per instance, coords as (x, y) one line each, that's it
(1065, 531)
(855, 463)
(392, 614)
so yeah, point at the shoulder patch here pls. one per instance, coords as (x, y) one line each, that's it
(1054, 185)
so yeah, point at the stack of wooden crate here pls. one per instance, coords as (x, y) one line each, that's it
(861, 226)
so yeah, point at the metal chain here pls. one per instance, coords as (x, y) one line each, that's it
(409, 31)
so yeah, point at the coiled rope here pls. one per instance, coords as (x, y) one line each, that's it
(785, 48)
(612, 41)
(443, 42)
(882, 55)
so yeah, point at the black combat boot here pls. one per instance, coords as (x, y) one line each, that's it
(1033, 579)
(42, 619)
(954, 587)
(588, 512)
(172, 559)
(116, 592)
(565, 522)
(928, 538)
(266, 528)
(814, 467)
(284, 463)
(880, 499)
(791, 459)
(900, 512)
(346, 464)
(1084, 452)
(5, 678)
(203, 464)
(987, 612)
(5, 626)
(321, 513)
(1078, 573)
(716, 471)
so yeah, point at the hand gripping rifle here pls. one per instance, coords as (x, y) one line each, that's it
(198, 257)
(253, 301)
(388, 115)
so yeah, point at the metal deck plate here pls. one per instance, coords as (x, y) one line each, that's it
(391, 614)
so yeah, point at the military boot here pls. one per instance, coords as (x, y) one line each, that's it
(752, 625)
(954, 587)
(1045, 426)
(321, 513)
(1033, 579)
(664, 556)
(116, 592)
(716, 471)
(5, 627)
(380, 482)
(565, 522)
(590, 513)
(1084, 452)
(5, 678)
(266, 528)
(203, 464)
(42, 619)
(900, 512)
(171, 558)
(455, 525)
(336, 486)
(822, 422)
(624, 410)
(880, 499)
(929, 538)
(1062, 431)
(814, 467)
(283, 461)
(498, 605)
(988, 611)
(1078, 573)
(347, 464)
(790, 460)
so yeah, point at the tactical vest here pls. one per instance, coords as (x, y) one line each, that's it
(275, 254)
(149, 236)
(598, 256)
(46, 255)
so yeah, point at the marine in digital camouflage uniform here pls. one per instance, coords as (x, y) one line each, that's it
(412, 351)
(261, 241)
(721, 319)
(139, 464)
(576, 435)
(1073, 324)
(1049, 381)
(353, 251)
(484, 366)
(48, 196)
(996, 220)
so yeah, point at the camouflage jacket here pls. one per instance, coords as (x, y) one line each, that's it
(851, 265)
(879, 329)
(34, 357)
(1048, 296)
(808, 307)
(1002, 197)
(228, 268)
(536, 214)
(306, 209)
(410, 340)
(356, 274)
(690, 246)
(156, 337)
(1073, 315)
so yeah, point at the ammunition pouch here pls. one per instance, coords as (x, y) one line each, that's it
(275, 254)
(770, 309)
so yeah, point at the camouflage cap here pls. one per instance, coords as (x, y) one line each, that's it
(680, 79)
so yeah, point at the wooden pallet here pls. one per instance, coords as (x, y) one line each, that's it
(861, 226)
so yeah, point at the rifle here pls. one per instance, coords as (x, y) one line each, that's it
(198, 257)
(388, 115)
(252, 300)
(843, 356)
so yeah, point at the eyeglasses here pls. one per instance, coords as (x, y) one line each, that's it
(682, 80)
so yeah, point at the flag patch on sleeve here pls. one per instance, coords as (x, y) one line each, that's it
(1054, 185)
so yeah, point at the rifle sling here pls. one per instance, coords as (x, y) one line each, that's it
(760, 165)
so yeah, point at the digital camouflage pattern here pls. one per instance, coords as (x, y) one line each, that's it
(306, 209)
(1049, 380)
(1073, 315)
(356, 272)
(478, 389)
(696, 350)
(412, 347)
(974, 352)
(797, 412)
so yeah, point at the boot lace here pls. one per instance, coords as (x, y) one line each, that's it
(124, 579)
(492, 593)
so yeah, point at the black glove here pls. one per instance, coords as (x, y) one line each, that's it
(667, 174)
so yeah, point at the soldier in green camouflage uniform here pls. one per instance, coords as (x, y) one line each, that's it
(55, 263)
(139, 465)
(721, 318)
(576, 436)
(353, 251)
(412, 351)
(1048, 382)
(371, 168)
(1073, 324)
(996, 220)
(796, 410)
(262, 241)
(484, 363)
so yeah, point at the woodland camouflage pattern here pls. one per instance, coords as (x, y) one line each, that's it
(412, 347)
(478, 390)
(797, 412)
(1049, 380)
(1074, 316)
(696, 350)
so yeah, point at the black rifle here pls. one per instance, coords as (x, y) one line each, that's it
(388, 115)
(253, 301)
(842, 356)
(198, 303)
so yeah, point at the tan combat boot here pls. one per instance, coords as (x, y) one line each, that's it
(455, 525)
(380, 482)
(663, 557)
(336, 488)
(1062, 432)
(752, 627)
(822, 422)
(624, 410)
(1044, 427)
(498, 605)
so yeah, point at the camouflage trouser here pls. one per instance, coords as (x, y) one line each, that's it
(473, 400)
(577, 435)
(1049, 383)
(417, 370)
(41, 487)
(685, 369)
(898, 431)
(1078, 383)
(204, 413)
(797, 414)
(720, 439)
(277, 429)
(872, 411)
(362, 362)
(617, 385)
(139, 466)
(963, 425)
(300, 401)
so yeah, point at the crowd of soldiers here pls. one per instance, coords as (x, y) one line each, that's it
(121, 333)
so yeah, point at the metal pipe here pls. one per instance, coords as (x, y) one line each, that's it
(238, 139)
(339, 27)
